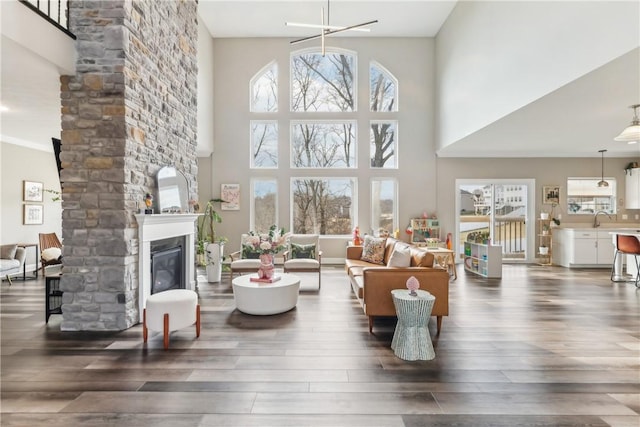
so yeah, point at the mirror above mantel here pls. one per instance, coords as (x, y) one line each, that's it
(173, 191)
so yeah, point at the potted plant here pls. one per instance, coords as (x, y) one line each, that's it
(208, 246)
(545, 230)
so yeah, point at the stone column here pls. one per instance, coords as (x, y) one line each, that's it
(129, 110)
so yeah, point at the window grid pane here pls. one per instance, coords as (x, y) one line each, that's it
(323, 83)
(323, 205)
(264, 90)
(264, 144)
(323, 145)
(383, 89)
(265, 202)
(383, 144)
(384, 205)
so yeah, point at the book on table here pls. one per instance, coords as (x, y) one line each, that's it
(261, 280)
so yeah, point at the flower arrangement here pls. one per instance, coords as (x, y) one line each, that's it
(267, 243)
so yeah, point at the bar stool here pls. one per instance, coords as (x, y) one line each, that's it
(627, 245)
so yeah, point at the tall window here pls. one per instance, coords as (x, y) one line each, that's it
(265, 204)
(323, 136)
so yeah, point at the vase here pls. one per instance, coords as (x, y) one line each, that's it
(266, 267)
(213, 254)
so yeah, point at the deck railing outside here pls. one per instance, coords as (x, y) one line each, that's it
(56, 12)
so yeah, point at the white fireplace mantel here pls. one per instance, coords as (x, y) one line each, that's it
(158, 227)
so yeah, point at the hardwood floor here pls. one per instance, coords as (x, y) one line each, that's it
(543, 346)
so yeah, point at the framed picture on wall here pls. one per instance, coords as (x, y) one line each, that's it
(32, 191)
(230, 193)
(551, 194)
(32, 214)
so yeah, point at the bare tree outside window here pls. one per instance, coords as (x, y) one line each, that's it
(264, 144)
(323, 83)
(383, 89)
(323, 145)
(383, 145)
(264, 204)
(323, 205)
(264, 89)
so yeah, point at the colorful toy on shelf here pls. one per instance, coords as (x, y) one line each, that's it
(357, 240)
(449, 241)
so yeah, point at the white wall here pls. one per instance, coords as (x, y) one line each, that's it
(495, 57)
(409, 59)
(17, 164)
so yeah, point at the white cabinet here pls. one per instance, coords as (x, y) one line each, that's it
(583, 248)
(632, 188)
(484, 260)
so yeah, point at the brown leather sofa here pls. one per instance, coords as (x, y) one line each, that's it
(373, 283)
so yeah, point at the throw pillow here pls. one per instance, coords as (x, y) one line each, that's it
(401, 256)
(8, 251)
(50, 254)
(303, 251)
(373, 250)
(249, 253)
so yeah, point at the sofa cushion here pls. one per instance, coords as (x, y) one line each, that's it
(50, 254)
(9, 265)
(303, 251)
(391, 242)
(400, 257)
(373, 250)
(421, 258)
(8, 251)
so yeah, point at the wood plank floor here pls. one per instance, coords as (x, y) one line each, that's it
(543, 346)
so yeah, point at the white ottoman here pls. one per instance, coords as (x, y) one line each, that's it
(169, 311)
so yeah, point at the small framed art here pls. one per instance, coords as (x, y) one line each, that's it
(551, 194)
(32, 191)
(230, 193)
(32, 214)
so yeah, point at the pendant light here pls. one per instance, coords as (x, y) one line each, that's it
(327, 29)
(602, 182)
(631, 134)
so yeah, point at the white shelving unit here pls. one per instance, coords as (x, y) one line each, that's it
(483, 260)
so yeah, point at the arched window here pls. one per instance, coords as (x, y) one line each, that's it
(264, 89)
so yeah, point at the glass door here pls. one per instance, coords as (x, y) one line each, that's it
(496, 212)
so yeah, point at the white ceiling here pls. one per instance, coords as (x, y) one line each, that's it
(263, 18)
(591, 105)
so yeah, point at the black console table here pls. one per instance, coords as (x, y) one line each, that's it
(53, 295)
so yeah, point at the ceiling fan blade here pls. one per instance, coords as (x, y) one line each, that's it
(328, 33)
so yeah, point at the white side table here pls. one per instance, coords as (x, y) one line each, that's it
(411, 339)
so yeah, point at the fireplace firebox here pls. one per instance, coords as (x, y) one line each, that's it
(166, 270)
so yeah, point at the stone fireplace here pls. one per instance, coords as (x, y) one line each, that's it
(160, 228)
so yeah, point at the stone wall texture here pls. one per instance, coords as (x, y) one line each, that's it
(130, 109)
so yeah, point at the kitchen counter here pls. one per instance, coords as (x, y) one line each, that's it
(588, 247)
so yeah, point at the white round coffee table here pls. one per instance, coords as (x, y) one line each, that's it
(265, 298)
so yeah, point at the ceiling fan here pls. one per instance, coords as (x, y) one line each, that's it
(327, 29)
